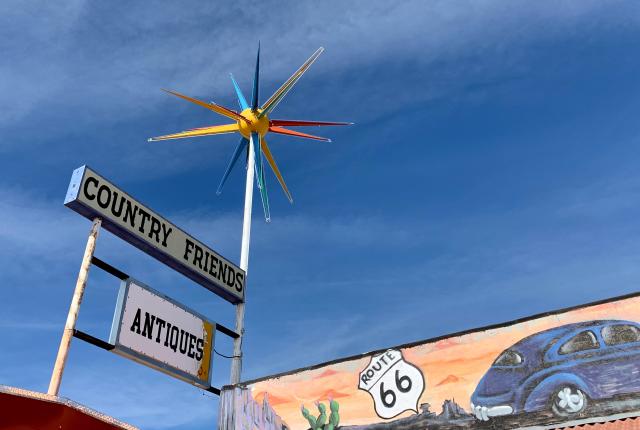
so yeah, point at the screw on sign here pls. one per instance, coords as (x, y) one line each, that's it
(394, 384)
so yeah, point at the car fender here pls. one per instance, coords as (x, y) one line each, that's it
(538, 398)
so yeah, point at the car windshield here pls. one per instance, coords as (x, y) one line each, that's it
(583, 341)
(620, 334)
(508, 358)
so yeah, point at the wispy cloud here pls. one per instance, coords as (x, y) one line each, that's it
(91, 66)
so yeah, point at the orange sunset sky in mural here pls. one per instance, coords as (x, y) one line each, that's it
(452, 367)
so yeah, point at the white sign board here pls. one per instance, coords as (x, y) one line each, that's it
(92, 196)
(152, 329)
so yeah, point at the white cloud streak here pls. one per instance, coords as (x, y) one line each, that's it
(89, 65)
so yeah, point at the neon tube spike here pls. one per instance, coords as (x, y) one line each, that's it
(204, 131)
(273, 101)
(281, 130)
(264, 196)
(298, 123)
(256, 82)
(236, 154)
(241, 100)
(274, 167)
(211, 106)
(257, 152)
(259, 168)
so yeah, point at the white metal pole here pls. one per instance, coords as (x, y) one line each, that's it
(74, 309)
(236, 363)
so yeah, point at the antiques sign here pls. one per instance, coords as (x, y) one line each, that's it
(92, 196)
(152, 329)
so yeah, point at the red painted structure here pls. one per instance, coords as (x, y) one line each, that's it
(632, 423)
(29, 410)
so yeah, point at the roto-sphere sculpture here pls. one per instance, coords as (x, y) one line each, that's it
(253, 124)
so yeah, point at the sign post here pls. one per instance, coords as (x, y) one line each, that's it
(236, 363)
(74, 309)
(149, 327)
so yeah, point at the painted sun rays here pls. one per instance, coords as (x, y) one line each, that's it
(253, 124)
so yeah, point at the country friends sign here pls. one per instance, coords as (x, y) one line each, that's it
(93, 196)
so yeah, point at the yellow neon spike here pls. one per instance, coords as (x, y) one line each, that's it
(205, 131)
(211, 106)
(274, 167)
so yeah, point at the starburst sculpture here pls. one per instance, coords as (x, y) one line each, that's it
(253, 123)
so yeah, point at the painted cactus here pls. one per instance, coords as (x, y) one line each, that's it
(321, 423)
(334, 418)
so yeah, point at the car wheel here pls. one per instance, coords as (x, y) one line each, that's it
(568, 401)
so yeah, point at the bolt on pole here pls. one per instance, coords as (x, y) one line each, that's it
(74, 309)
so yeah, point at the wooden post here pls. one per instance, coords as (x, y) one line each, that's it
(236, 363)
(74, 309)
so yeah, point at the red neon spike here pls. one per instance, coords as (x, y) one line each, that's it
(281, 130)
(296, 123)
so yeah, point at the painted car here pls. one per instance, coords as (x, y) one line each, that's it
(562, 369)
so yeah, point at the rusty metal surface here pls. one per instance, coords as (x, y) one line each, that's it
(27, 410)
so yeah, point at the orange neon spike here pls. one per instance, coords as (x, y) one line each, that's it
(204, 131)
(274, 167)
(281, 130)
(211, 106)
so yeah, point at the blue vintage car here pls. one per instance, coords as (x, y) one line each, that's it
(562, 369)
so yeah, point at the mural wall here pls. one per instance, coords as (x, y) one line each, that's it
(549, 369)
(239, 410)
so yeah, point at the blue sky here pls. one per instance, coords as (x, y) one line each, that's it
(491, 174)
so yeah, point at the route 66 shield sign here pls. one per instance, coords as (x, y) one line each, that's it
(394, 384)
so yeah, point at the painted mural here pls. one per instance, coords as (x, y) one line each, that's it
(559, 367)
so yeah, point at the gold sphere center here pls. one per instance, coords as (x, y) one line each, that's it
(253, 124)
